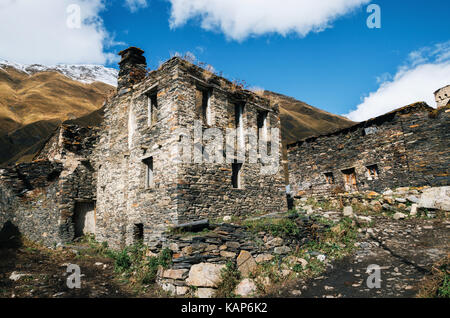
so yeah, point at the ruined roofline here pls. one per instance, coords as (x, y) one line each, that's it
(212, 81)
(440, 89)
(379, 119)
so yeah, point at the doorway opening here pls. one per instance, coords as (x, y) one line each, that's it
(84, 218)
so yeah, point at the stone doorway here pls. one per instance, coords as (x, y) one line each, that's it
(84, 218)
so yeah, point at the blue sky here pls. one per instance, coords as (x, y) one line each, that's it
(333, 69)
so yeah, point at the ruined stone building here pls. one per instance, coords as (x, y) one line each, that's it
(142, 185)
(409, 146)
(52, 199)
(443, 96)
(130, 179)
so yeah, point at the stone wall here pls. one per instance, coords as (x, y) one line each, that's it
(29, 199)
(198, 258)
(126, 140)
(206, 189)
(407, 147)
(40, 197)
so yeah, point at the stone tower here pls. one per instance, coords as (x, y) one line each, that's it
(442, 96)
(149, 177)
(133, 68)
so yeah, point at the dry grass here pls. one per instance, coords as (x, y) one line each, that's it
(31, 107)
(437, 285)
(45, 96)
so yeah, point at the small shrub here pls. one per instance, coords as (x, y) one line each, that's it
(122, 261)
(230, 279)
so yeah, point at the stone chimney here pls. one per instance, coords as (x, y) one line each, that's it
(442, 96)
(133, 67)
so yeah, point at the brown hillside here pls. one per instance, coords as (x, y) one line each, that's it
(300, 120)
(32, 106)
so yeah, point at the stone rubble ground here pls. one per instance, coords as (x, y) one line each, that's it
(405, 250)
(404, 247)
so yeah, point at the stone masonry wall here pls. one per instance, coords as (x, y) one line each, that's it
(29, 197)
(40, 197)
(409, 146)
(127, 139)
(206, 189)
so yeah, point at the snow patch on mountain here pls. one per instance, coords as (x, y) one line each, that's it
(84, 73)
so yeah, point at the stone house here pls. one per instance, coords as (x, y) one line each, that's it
(145, 181)
(409, 146)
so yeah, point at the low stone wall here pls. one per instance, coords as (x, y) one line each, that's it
(198, 259)
(403, 202)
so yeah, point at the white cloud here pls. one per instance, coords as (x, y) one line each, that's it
(37, 32)
(426, 70)
(239, 19)
(135, 5)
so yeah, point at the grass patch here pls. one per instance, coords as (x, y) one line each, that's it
(437, 285)
(230, 279)
(277, 227)
(133, 263)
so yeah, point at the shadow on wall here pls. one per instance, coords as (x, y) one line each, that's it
(10, 236)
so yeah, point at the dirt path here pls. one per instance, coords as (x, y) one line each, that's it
(405, 251)
(43, 275)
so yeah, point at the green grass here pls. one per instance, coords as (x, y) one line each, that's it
(134, 264)
(444, 289)
(230, 279)
(277, 227)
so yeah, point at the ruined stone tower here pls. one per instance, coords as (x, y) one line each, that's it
(145, 184)
(442, 96)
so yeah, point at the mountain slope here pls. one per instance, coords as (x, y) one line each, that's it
(84, 73)
(33, 104)
(300, 120)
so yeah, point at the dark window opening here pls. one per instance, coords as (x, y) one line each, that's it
(329, 177)
(350, 179)
(149, 182)
(236, 175)
(373, 171)
(138, 233)
(53, 175)
(152, 108)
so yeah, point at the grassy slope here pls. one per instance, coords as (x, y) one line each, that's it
(31, 107)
